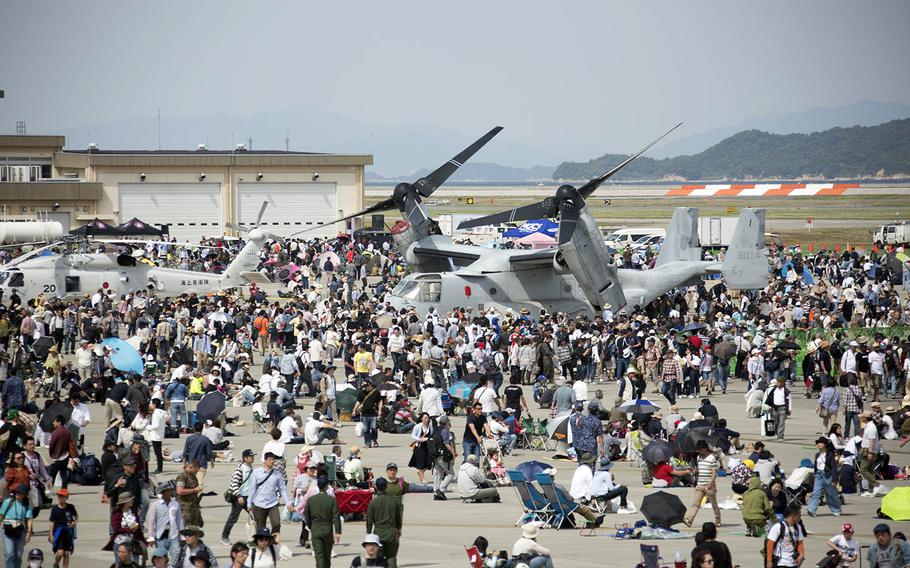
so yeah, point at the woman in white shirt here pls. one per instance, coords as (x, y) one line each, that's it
(154, 430)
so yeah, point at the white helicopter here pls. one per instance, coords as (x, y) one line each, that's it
(74, 274)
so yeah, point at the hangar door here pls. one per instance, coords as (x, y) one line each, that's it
(292, 207)
(190, 210)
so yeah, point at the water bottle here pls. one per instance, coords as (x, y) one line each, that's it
(678, 561)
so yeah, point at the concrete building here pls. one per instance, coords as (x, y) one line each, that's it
(191, 192)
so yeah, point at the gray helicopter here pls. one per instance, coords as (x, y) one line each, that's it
(579, 275)
(74, 274)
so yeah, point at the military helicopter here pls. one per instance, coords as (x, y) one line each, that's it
(74, 274)
(579, 275)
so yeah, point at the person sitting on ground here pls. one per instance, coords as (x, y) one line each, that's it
(318, 428)
(527, 550)
(617, 415)
(669, 476)
(718, 550)
(731, 435)
(766, 466)
(472, 483)
(605, 488)
(404, 420)
(490, 558)
(740, 477)
(756, 507)
(671, 421)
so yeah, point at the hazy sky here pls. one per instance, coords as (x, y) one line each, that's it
(602, 74)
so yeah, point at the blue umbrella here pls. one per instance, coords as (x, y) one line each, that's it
(124, 356)
(530, 469)
(461, 390)
(639, 406)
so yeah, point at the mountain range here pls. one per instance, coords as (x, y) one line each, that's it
(846, 153)
(399, 150)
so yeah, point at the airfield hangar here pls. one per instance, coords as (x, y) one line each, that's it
(192, 193)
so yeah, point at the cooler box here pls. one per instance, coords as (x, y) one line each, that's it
(353, 501)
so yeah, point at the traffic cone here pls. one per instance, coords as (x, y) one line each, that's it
(810, 247)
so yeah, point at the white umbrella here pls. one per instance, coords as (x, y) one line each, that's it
(219, 316)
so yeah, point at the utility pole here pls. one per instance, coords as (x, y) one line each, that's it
(159, 128)
(249, 143)
(287, 141)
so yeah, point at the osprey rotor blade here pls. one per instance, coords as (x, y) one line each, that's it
(568, 217)
(383, 205)
(237, 227)
(541, 209)
(589, 188)
(428, 184)
(261, 213)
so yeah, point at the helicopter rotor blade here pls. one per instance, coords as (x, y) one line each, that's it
(428, 184)
(541, 209)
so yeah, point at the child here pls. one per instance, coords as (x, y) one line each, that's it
(62, 535)
(498, 469)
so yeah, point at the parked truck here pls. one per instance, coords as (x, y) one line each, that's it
(716, 231)
(894, 234)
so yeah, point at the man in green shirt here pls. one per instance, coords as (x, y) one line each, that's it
(322, 516)
(384, 519)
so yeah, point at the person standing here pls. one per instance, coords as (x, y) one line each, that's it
(266, 489)
(240, 493)
(828, 403)
(784, 545)
(384, 518)
(853, 406)
(869, 453)
(16, 520)
(322, 516)
(164, 520)
(887, 552)
(443, 455)
(59, 451)
(189, 494)
(705, 483)
(778, 398)
(154, 431)
(476, 429)
(62, 533)
(718, 550)
(198, 448)
(670, 375)
(825, 467)
(369, 407)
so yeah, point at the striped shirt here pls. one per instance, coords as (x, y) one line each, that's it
(706, 467)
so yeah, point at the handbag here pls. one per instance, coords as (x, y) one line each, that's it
(250, 527)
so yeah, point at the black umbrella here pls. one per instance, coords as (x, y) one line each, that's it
(693, 327)
(210, 406)
(558, 428)
(719, 440)
(473, 378)
(700, 424)
(658, 451)
(724, 350)
(41, 346)
(388, 387)
(788, 345)
(663, 509)
(687, 439)
(59, 408)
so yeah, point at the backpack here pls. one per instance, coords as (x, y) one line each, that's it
(783, 530)
(436, 448)
(88, 471)
(489, 364)
(328, 266)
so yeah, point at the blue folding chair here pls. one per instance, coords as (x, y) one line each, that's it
(535, 506)
(563, 506)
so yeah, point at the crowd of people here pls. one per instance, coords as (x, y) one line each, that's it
(827, 326)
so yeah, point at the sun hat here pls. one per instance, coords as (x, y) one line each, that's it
(530, 530)
(124, 497)
(371, 539)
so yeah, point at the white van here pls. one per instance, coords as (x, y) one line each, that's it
(622, 238)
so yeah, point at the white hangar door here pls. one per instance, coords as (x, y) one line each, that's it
(190, 210)
(292, 207)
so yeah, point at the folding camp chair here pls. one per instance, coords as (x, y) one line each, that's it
(525, 440)
(635, 448)
(259, 424)
(541, 436)
(535, 506)
(331, 470)
(562, 505)
(650, 557)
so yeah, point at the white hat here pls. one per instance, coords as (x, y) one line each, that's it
(371, 539)
(530, 530)
(854, 344)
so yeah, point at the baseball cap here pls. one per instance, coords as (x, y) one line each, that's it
(248, 453)
(63, 492)
(35, 554)
(268, 455)
(847, 528)
(392, 465)
(881, 527)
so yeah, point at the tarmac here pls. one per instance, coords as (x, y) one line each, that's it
(435, 533)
